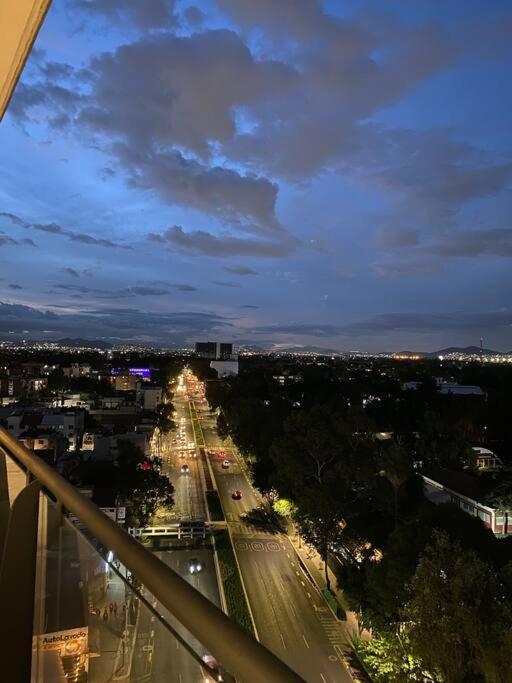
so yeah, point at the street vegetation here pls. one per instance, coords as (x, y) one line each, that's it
(430, 583)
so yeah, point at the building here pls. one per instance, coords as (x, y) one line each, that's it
(77, 370)
(19, 385)
(449, 388)
(465, 491)
(225, 368)
(69, 423)
(486, 459)
(126, 382)
(214, 350)
(149, 396)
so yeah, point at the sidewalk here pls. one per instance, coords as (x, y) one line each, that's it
(108, 633)
(315, 566)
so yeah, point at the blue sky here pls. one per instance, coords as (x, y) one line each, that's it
(330, 174)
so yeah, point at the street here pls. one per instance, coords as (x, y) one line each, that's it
(290, 616)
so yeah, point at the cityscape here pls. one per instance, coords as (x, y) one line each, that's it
(255, 341)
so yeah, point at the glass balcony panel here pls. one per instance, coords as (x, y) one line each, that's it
(94, 623)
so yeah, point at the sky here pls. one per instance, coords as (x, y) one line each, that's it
(298, 173)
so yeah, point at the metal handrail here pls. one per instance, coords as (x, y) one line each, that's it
(232, 646)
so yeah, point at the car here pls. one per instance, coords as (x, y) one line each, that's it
(185, 468)
(236, 495)
(212, 667)
(195, 566)
(225, 464)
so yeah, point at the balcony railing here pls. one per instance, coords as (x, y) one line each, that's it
(90, 603)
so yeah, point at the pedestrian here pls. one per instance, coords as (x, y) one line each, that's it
(105, 614)
(111, 607)
(115, 609)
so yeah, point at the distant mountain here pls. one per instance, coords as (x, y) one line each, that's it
(306, 349)
(470, 350)
(85, 343)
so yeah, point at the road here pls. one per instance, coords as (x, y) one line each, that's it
(291, 617)
(158, 655)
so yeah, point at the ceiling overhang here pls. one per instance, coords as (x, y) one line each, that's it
(20, 21)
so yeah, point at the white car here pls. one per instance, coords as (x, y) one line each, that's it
(195, 566)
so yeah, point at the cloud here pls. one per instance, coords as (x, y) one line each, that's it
(468, 243)
(432, 322)
(5, 240)
(306, 329)
(205, 243)
(407, 268)
(149, 14)
(70, 271)
(219, 283)
(185, 288)
(14, 286)
(240, 270)
(248, 306)
(55, 229)
(110, 323)
(192, 87)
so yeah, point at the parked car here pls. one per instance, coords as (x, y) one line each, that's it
(236, 495)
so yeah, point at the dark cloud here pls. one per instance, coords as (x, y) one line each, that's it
(110, 323)
(71, 271)
(431, 322)
(495, 242)
(248, 306)
(306, 329)
(55, 229)
(407, 268)
(148, 14)
(240, 270)
(5, 240)
(185, 288)
(14, 286)
(191, 88)
(205, 243)
(220, 283)
(194, 16)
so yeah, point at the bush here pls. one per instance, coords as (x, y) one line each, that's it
(235, 596)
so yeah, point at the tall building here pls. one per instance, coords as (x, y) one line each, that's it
(214, 350)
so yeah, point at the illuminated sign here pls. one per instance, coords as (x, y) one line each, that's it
(69, 643)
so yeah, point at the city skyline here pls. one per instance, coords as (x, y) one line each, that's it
(300, 173)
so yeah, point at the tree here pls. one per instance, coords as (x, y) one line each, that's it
(396, 467)
(441, 444)
(320, 522)
(387, 656)
(151, 492)
(144, 489)
(459, 616)
(284, 507)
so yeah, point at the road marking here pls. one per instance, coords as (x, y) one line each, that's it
(307, 644)
(284, 644)
(297, 573)
(322, 677)
(302, 582)
(309, 595)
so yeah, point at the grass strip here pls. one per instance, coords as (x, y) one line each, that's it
(333, 603)
(235, 596)
(214, 506)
